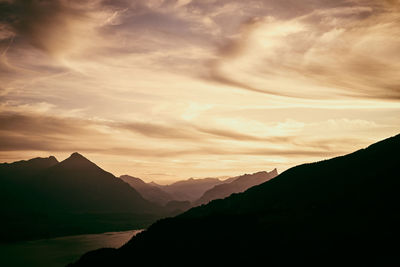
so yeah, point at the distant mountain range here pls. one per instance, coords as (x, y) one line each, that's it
(191, 189)
(342, 211)
(193, 192)
(147, 190)
(235, 185)
(43, 198)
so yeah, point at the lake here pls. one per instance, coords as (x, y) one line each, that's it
(61, 250)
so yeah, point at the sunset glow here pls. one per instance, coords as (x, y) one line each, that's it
(171, 89)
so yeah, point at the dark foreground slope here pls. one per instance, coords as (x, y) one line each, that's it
(336, 212)
(43, 198)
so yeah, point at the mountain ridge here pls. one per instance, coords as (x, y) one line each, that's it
(307, 215)
(190, 189)
(147, 190)
(236, 185)
(33, 165)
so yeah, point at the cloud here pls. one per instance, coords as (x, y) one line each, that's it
(45, 24)
(45, 133)
(56, 27)
(197, 87)
(49, 133)
(31, 124)
(191, 132)
(238, 136)
(158, 130)
(42, 132)
(194, 133)
(340, 52)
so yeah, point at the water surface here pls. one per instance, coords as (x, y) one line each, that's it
(59, 251)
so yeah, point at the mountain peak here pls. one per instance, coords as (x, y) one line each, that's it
(77, 160)
(274, 171)
(76, 155)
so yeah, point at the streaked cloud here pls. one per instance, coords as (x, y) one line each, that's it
(197, 88)
(323, 54)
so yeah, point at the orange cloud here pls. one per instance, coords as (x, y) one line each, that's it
(197, 88)
(324, 53)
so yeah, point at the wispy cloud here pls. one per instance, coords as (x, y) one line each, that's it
(194, 87)
(322, 54)
(30, 131)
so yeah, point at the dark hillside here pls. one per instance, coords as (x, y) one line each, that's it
(336, 212)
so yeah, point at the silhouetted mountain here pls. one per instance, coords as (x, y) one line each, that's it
(185, 190)
(342, 211)
(42, 198)
(147, 190)
(16, 180)
(92, 188)
(235, 185)
(191, 189)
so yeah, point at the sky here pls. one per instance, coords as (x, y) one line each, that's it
(171, 89)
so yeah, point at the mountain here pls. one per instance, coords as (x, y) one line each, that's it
(94, 189)
(236, 185)
(44, 198)
(191, 189)
(16, 179)
(147, 190)
(180, 193)
(342, 211)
